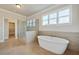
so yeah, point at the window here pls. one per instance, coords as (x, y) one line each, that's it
(59, 17)
(31, 23)
(64, 16)
(34, 22)
(45, 20)
(27, 23)
(53, 18)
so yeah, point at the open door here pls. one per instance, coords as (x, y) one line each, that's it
(11, 29)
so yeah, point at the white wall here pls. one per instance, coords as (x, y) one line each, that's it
(5, 17)
(1, 30)
(74, 27)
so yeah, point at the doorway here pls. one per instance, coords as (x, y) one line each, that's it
(11, 29)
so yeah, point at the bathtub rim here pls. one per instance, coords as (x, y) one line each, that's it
(52, 37)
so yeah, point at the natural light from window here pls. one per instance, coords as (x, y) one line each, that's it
(53, 18)
(45, 20)
(59, 17)
(31, 23)
(64, 16)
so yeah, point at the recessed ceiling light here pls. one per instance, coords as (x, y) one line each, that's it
(18, 5)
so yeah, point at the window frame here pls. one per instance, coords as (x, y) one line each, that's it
(57, 11)
(65, 16)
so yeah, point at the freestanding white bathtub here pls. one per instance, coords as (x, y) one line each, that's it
(53, 44)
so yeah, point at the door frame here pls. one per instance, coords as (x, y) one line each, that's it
(8, 20)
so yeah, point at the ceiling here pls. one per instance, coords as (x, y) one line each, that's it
(26, 9)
